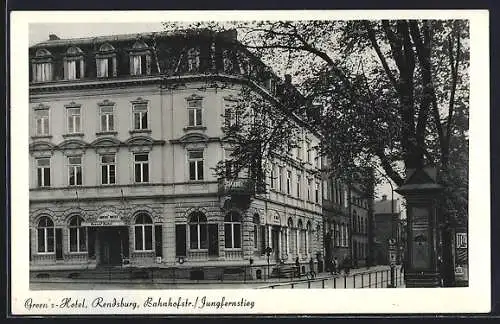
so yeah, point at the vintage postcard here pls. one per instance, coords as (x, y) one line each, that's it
(249, 162)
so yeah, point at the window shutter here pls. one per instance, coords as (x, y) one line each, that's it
(158, 241)
(180, 240)
(213, 239)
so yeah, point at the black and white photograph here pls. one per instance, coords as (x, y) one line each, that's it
(202, 163)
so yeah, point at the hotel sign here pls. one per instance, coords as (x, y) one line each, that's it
(108, 218)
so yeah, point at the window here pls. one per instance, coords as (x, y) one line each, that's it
(299, 150)
(194, 113)
(108, 169)
(195, 160)
(198, 233)
(256, 223)
(232, 230)
(308, 151)
(45, 235)
(74, 69)
(316, 192)
(288, 182)
(309, 189)
(77, 235)
(193, 59)
(318, 161)
(273, 177)
(75, 170)
(143, 230)
(299, 180)
(280, 178)
(107, 118)
(105, 67)
(74, 119)
(42, 72)
(231, 113)
(140, 112)
(43, 172)
(354, 220)
(42, 122)
(141, 167)
(140, 65)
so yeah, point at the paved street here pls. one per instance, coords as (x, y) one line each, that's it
(358, 278)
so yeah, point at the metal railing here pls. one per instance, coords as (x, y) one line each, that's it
(363, 279)
(267, 277)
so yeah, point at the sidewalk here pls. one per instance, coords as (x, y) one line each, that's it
(323, 275)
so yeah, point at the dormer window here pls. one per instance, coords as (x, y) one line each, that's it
(42, 66)
(193, 59)
(140, 59)
(73, 64)
(106, 61)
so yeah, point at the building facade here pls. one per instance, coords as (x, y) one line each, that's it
(387, 219)
(125, 134)
(360, 204)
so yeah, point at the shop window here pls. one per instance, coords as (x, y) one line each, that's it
(232, 230)
(77, 235)
(143, 230)
(198, 231)
(45, 235)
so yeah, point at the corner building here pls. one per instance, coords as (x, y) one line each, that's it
(125, 132)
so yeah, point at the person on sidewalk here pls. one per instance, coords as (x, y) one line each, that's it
(297, 265)
(347, 265)
(311, 268)
(335, 265)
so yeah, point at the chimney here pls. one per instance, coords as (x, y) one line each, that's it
(384, 197)
(288, 79)
(53, 37)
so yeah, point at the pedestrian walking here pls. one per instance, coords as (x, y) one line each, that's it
(297, 265)
(335, 265)
(347, 265)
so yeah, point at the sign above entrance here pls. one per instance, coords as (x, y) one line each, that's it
(107, 218)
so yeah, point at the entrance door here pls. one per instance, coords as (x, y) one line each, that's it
(113, 242)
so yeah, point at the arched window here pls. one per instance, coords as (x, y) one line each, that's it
(256, 223)
(73, 64)
(232, 230)
(198, 232)
(77, 235)
(45, 231)
(143, 229)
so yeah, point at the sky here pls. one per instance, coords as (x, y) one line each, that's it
(40, 32)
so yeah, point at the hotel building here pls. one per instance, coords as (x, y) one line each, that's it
(125, 133)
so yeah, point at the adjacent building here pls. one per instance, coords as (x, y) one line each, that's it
(125, 132)
(387, 225)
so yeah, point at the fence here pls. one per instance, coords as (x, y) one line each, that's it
(363, 279)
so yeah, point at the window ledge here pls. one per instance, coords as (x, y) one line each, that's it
(41, 137)
(114, 133)
(139, 131)
(73, 135)
(189, 128)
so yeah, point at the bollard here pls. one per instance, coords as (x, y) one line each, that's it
(345, 282)
(334, 282)
(376, 280)
(362, 282)
(309, 284)
(292, 286)
(354, 281)
(323, 283)
(369, 279)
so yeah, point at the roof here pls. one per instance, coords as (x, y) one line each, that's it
(124, 37)
(384, 206)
